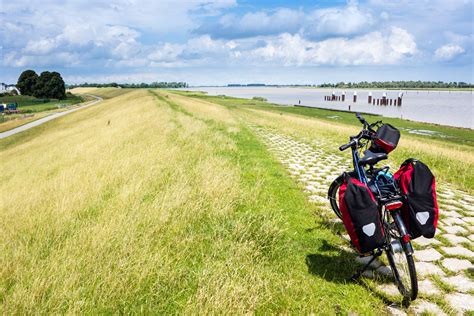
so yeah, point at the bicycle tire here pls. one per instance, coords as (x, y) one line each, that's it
(333, 195)
(408, 287)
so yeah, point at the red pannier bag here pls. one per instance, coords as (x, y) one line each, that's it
(420, 211)
(385, 140)
(360, 215)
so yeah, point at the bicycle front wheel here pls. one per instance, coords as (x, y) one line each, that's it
(403, 269)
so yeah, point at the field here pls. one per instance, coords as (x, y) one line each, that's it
(33, 109)
(154, 201)
(29, 104)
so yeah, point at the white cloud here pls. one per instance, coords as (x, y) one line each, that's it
(373, 48)
(254, 24)
(41, 46)
(348, 20)
(116, 30)
(166, 53)
(401, 42)
(319, 23)
(448, 52)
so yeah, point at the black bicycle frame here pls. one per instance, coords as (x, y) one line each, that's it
(361, 175)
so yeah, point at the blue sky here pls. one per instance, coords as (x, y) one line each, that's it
(212, 42)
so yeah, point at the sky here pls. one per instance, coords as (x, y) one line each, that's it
(216, 42)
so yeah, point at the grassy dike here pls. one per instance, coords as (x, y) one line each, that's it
(173, 206)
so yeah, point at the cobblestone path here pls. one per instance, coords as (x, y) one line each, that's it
(443, 264)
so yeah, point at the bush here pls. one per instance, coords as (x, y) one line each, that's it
(259, 99)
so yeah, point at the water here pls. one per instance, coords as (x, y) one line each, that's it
(452, 108)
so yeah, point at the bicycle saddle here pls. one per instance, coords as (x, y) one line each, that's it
(371, 158)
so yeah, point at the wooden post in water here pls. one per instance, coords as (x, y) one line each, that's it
(355, 97)
(343, 96)
(333, 95)
(394, 101)
(370, 97)
(400, 98)
(384, 98)
(373, 101)
(391, 101)
(378, 101)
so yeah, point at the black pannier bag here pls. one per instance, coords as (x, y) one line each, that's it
(360, 215)
(420, 211)
(385, 140)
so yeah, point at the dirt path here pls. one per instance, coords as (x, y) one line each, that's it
(442, 263)
(45, 119)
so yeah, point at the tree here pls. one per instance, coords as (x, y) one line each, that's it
(50, 85)
(56, 87)
(27, 82)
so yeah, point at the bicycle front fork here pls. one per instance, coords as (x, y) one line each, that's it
(405, 236)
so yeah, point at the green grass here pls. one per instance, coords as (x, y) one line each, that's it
(21, 99)
(29, 104)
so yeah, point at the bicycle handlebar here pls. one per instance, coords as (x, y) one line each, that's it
(345, 146)
(361, 118)
(364, 133)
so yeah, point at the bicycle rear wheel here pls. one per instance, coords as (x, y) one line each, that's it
(333, 195)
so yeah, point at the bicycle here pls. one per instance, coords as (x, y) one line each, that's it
(397, 244)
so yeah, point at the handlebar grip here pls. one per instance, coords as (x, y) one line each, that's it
(360, 118)
(344, 147)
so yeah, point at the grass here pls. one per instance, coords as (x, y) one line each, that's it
(172, 207)
(33, 109)
(154, 201)
(29, 104)
(18, 119)
(105, 93)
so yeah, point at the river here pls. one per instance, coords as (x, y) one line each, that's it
(452, 108)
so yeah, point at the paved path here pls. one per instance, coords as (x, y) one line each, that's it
(443, 263)
(45, 119)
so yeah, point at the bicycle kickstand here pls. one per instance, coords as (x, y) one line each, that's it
(359, 273)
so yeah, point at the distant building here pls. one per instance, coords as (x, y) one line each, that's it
(5, 88)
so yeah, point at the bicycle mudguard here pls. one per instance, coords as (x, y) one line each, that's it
(360, 215)
(420, 211)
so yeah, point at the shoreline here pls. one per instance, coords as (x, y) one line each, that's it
(440, 107)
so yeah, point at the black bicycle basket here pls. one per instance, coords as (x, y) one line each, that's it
(385, 140)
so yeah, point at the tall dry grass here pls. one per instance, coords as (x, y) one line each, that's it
(148, 204)
(95, 212)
